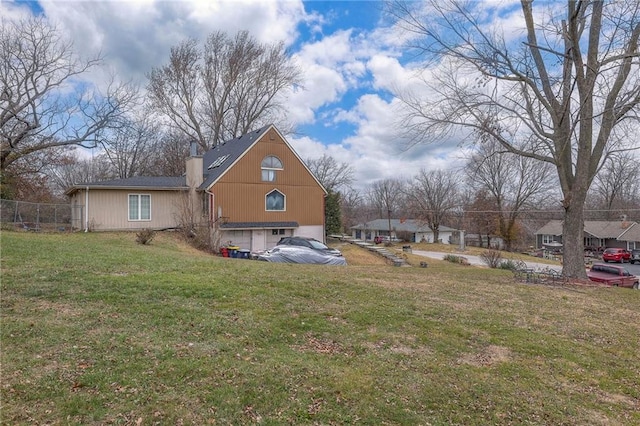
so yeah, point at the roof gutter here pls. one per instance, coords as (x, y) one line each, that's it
(211, 206)
(86, 210)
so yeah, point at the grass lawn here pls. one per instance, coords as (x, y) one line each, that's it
(97, 329)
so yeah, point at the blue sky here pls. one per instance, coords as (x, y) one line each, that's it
(351, 55)
(360, 17)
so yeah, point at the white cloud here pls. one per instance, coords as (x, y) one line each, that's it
(135, 36)
(331, 67)
(388, 73)
(14, 11)
(322, 85)
(329, 51)
(377, 150)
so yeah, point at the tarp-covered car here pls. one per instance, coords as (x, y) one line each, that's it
(298, 254)
(311, 243)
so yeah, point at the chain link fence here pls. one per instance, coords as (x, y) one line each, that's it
(23, 215)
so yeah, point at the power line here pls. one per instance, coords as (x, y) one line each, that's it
(549, 211)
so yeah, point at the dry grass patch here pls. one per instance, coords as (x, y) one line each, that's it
(357, 256)
(487, 357)
(321, 345)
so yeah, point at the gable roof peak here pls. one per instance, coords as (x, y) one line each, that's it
(235, 149)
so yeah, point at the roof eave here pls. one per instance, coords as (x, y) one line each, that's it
(75, 188)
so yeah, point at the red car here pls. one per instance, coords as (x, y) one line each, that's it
(616, 276)
(616, 255)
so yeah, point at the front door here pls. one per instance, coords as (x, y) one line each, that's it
(258, 240)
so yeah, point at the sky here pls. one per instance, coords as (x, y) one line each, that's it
(351, 56)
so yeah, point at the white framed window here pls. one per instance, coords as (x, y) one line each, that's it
(270, 165)
(547, 239)
(139, 207)
(275, 201)
(268, 175)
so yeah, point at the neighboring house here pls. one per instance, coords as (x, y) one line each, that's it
(597, 234)
(254, 189)
(409, 229)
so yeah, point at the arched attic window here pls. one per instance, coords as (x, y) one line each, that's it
(270, 165)
(275, 201)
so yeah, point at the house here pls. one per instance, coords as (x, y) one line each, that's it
(405, 229)
(597, 234)
(253, 190)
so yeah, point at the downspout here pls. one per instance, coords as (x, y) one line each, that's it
(86, 210)
(211, 206)
(212, 223)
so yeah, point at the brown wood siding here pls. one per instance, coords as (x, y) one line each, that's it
(241, 193)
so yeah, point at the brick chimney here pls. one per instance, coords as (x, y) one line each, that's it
(624, 224)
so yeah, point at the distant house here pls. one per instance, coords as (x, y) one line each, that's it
(255, 189)
(410, 230)
(597, 234)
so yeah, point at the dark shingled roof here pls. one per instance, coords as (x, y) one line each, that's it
(598, 228)
(226, 154)
(632, 233)
(146, 181)
(138, 182)
(248, 225)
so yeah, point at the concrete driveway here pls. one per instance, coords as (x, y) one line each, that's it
(477, 261)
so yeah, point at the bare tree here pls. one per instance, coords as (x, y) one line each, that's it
(130, 148)
(168, 159)
(43, 104)
(617, 184)
(481, 216)
(26, 179)
(432, 196)
(336, 179)
(224, 89)
(332, 175)
(74, 170)
(386, 196)
(557, 92)
(352, 205)
(514, 182)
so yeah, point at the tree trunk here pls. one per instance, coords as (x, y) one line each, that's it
(573, 241)
(436, 234)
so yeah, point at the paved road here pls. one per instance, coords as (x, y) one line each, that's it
(477, 261)
(634, 269)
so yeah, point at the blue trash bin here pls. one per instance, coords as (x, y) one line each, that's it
(233, 251)
(243, 254)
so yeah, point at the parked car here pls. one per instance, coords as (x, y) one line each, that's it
(616, 255)
(300, 254)
(617, 276)
(635, 256)
(311, 243)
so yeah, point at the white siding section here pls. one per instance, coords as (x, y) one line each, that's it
(254, 240)
(445, 236)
